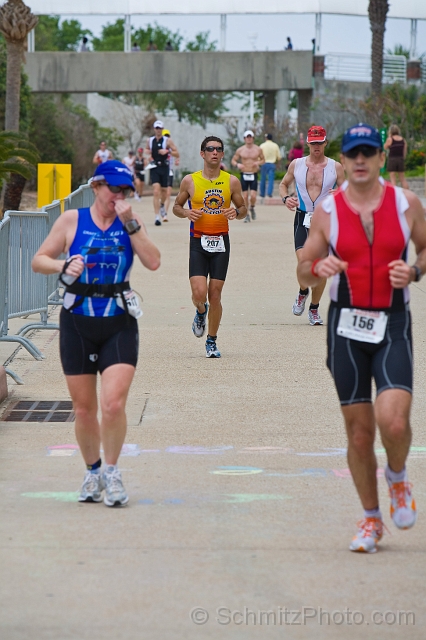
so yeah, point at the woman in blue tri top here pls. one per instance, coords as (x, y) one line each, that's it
(99, 331)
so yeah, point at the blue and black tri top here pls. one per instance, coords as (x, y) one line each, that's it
(108, 258)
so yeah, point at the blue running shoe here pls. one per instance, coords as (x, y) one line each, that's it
(211, 349)
(199, 324)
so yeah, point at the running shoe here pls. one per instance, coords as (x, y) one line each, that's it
(299, 304)
(199, 324)
(403, 507)
(157, 222)
(115, 493)
(211, 349)
(369, 533)
(165, 218)
(163, 213)
(314, 317)
(247, 218)
(137, 196)
(92, 488)
(253, 213)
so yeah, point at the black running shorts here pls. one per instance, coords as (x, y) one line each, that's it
(160, 175)
(353, 364)
(170, 181)
(204, 263)
(89, 345)
(248, 184)
(300, 232)
(140, 176)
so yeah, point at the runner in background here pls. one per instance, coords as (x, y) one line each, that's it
(248, 159)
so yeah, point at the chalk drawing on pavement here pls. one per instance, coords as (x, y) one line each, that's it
(61, 450)
(236, 471)
(199, 450)
(61, 496)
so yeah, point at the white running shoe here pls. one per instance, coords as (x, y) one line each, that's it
(92, 488)
(314, 317)
(299, 304)
(163, 213)
(403, 507)
(157, 221)
(115, 494)
(199, 323)
(369, 533)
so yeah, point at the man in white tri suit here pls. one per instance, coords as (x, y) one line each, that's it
(315, 176)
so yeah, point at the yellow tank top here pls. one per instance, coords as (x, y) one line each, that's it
(211, 196)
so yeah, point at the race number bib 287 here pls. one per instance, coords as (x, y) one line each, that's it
(361, 325)
(213, 244)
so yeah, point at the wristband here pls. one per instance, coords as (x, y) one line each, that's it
(313, 265)
(418, 272)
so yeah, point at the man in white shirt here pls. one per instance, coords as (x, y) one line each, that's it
(103, 154)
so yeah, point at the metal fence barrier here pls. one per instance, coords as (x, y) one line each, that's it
(27, 292)
(357, 67)
(53, 212)
(82, 197)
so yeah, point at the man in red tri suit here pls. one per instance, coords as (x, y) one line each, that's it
(359, 236)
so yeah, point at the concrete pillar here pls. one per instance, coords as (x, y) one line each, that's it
(3, 384)
(127, 34)
(223, 31)
(31, 41)
(304, 106)
(79, 98)
(269, 110)
(413, 39)
(414, 71)
(319, 66)
(281, 103)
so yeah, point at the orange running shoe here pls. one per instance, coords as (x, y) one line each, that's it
(403, 507)
(369, 533)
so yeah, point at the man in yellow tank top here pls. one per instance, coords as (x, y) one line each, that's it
(209, 194)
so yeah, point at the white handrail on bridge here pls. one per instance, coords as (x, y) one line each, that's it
(357, 67)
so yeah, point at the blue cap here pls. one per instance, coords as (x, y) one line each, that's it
(361, 134)
(115, 173)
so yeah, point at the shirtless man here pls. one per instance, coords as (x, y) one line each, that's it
(315, 176)
(248, 159)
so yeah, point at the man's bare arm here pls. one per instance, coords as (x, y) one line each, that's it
(400, 273)
(235, 158)
(292, 201)
(340, 174)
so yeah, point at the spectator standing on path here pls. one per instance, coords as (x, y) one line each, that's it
(315, 176)
(397, 147)
(139, 168)
(102, 154)
(83, 46)
(169, 46)
(136, 47)
(98, 320)
(359, 237)
(272, 155)
(289, 46)
(248, 159)
(151, 46)
(295, 152)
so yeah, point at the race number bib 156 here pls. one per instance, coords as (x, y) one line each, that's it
(213, 244)
(361, 325)
(307, 219)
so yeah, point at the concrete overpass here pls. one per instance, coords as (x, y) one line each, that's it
(159, 71)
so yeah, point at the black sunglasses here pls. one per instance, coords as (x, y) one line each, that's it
(367, 151)
(317, 144)
(211, 149)
(125, 190)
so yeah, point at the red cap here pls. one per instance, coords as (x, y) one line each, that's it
(316, 134)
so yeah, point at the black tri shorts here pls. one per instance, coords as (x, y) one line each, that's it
(204, 263)
(248, 184)
(353, 364)
(140, 176)
(160, 175)
(300, 232)
(91, 344)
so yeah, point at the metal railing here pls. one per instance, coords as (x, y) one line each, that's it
(357, 67)
(53, 211)
(424, 70)
(82, 197)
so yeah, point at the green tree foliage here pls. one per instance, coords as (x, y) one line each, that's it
(112, 37)
(160, 36)
(17, 155)
(201, 43)
(53, 35)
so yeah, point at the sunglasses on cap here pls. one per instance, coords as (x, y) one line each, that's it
(124, 190)
(365, 149)
(210, 149)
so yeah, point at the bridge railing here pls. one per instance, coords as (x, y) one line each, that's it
(357, 67)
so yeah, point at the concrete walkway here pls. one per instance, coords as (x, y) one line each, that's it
(240, 497)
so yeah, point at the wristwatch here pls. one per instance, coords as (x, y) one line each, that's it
(418, 271)
(285, 198)
(131, 226)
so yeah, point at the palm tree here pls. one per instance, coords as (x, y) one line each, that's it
(377, 12)
(17, 157)
(16, 21)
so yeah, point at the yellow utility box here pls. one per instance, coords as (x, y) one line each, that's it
(53, 183)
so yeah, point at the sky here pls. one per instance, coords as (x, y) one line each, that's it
(340, 34)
